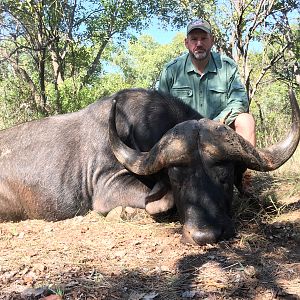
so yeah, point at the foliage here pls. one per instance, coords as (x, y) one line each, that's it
(260, 22)
(59, 56)
(272, 113)
(142, 60)
(59, 49)
(289, 69)
(16, 104)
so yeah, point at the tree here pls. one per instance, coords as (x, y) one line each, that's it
(56, 52)
(142, 60)
(34, 34)
(288, 70)
(248, 22)
(58, 46)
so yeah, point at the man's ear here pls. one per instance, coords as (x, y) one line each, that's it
(186, 42)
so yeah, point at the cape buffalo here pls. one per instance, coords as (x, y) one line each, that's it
(136, 148)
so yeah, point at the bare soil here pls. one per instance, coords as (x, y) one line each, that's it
(130, 255)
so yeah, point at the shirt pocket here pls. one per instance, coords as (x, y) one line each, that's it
(217, 97)
(183, 93)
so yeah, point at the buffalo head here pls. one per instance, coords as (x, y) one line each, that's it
(200, 159)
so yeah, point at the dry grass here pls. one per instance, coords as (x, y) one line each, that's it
(292, 167)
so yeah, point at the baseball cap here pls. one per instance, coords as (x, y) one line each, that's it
(199, 24)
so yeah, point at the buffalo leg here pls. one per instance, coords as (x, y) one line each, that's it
(124, 189)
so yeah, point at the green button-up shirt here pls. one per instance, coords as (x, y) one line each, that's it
(217, 94)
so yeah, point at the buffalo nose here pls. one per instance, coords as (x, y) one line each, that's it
(205, 235)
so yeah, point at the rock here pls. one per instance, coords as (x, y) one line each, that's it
(34, 293)
(115, 214)
(250, 271)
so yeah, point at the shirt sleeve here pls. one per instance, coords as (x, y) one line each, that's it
(165, 80)
(237, 100)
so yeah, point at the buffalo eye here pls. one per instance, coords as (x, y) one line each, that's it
(175, 174)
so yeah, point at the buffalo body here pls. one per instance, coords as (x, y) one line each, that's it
(136, 148)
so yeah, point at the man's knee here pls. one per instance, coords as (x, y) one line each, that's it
(245, 120)
(244, 125)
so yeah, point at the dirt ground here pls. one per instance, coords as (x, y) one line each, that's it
(132, 256)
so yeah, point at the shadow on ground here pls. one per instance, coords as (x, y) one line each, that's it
(222, 272)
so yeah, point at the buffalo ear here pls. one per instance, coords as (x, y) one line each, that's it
(238, 177)
(159, 190)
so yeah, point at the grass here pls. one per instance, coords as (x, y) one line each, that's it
(291, 169)
(58, 291)
(275, 194)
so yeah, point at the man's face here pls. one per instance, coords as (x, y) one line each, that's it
(199, 44)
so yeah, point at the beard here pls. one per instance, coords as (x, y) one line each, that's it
(200, 54)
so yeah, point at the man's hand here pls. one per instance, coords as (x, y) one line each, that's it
(223, 120)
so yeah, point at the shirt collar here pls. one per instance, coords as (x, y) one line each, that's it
(210, 68)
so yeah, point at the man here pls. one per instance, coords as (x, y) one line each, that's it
(209, 82)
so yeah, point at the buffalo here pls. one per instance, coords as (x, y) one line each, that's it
(136, 148)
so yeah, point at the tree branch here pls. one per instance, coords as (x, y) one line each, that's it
(272, 62)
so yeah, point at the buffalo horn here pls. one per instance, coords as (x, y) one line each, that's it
(182, 144)
(177, 146)
(233, 147)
